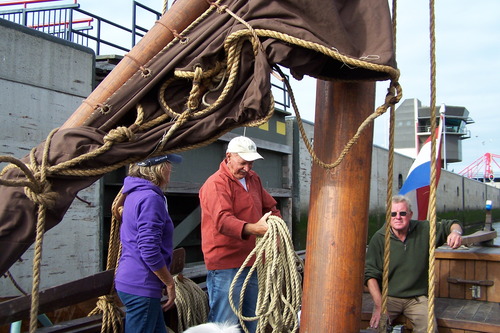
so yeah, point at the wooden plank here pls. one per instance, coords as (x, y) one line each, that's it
(479, 237)
(470, 274)
(487, 253)
(438, 277)
(493, 271)
(81, 325)
(71, 293)
(481, 273)
(457, 270)
(468, 310)
(484, 312)
(451, 308)
(58, 297)
(444, 290)
(469, 326)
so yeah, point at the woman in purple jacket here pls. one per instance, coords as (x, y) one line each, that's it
(146, 235)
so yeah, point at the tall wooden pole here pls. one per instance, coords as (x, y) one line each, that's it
(177, 18)
(338, 215)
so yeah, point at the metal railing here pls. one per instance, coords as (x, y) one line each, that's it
(68, 21)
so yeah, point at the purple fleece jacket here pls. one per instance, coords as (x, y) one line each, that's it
(146, 234)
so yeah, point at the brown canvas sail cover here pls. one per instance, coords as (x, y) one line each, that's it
(152, 112)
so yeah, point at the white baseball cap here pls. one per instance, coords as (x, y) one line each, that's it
(244, 147)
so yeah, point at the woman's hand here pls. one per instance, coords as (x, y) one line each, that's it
(169, 291)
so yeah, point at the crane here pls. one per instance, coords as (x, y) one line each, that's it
(482, 164)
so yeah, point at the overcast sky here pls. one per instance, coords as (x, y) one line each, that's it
(468, 65)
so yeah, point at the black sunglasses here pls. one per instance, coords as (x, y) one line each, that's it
(393, 214)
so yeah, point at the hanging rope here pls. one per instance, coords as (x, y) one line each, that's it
(165, 6)
(280, 284)
(111, 313)
(385, 321)
(433, 186)
(191, 303)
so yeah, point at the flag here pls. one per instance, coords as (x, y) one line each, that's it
(417, 184)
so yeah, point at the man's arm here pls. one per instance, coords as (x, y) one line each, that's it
(374, 290)
(259, 228)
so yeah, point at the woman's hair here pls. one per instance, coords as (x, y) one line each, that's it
(152, 173)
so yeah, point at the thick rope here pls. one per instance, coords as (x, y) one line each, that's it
(433, 186)
(191, 303)
(385, 320)
(280, 283)
(43, 204)
(111, 313)
(165, 6)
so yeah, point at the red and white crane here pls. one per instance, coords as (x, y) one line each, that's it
(481, 168)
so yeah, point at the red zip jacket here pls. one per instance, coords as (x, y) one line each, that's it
(225, 208)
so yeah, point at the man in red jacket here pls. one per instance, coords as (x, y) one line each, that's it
(234, 210)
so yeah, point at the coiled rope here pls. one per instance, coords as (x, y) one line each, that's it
(191, 303)
(280, 284)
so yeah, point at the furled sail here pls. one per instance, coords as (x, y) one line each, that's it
(212, 78)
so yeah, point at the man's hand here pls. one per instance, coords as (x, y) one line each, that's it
(454, 239)
(375, 319)
(259, 228)
(374, 290)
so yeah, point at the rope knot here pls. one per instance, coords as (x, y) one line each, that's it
(42, 194)
(120, 134)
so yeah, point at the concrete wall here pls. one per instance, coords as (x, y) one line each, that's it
(42, 81)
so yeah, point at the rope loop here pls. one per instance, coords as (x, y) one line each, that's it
(31, 181)
(146, 72)
(103, 108)
(111, 314)
(220, 9)
(44, 196)
(119, 134)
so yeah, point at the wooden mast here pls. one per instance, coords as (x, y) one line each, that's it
(338, 216)
(177, 18)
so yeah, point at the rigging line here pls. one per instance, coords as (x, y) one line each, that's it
(385, 319)
(433, 183)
